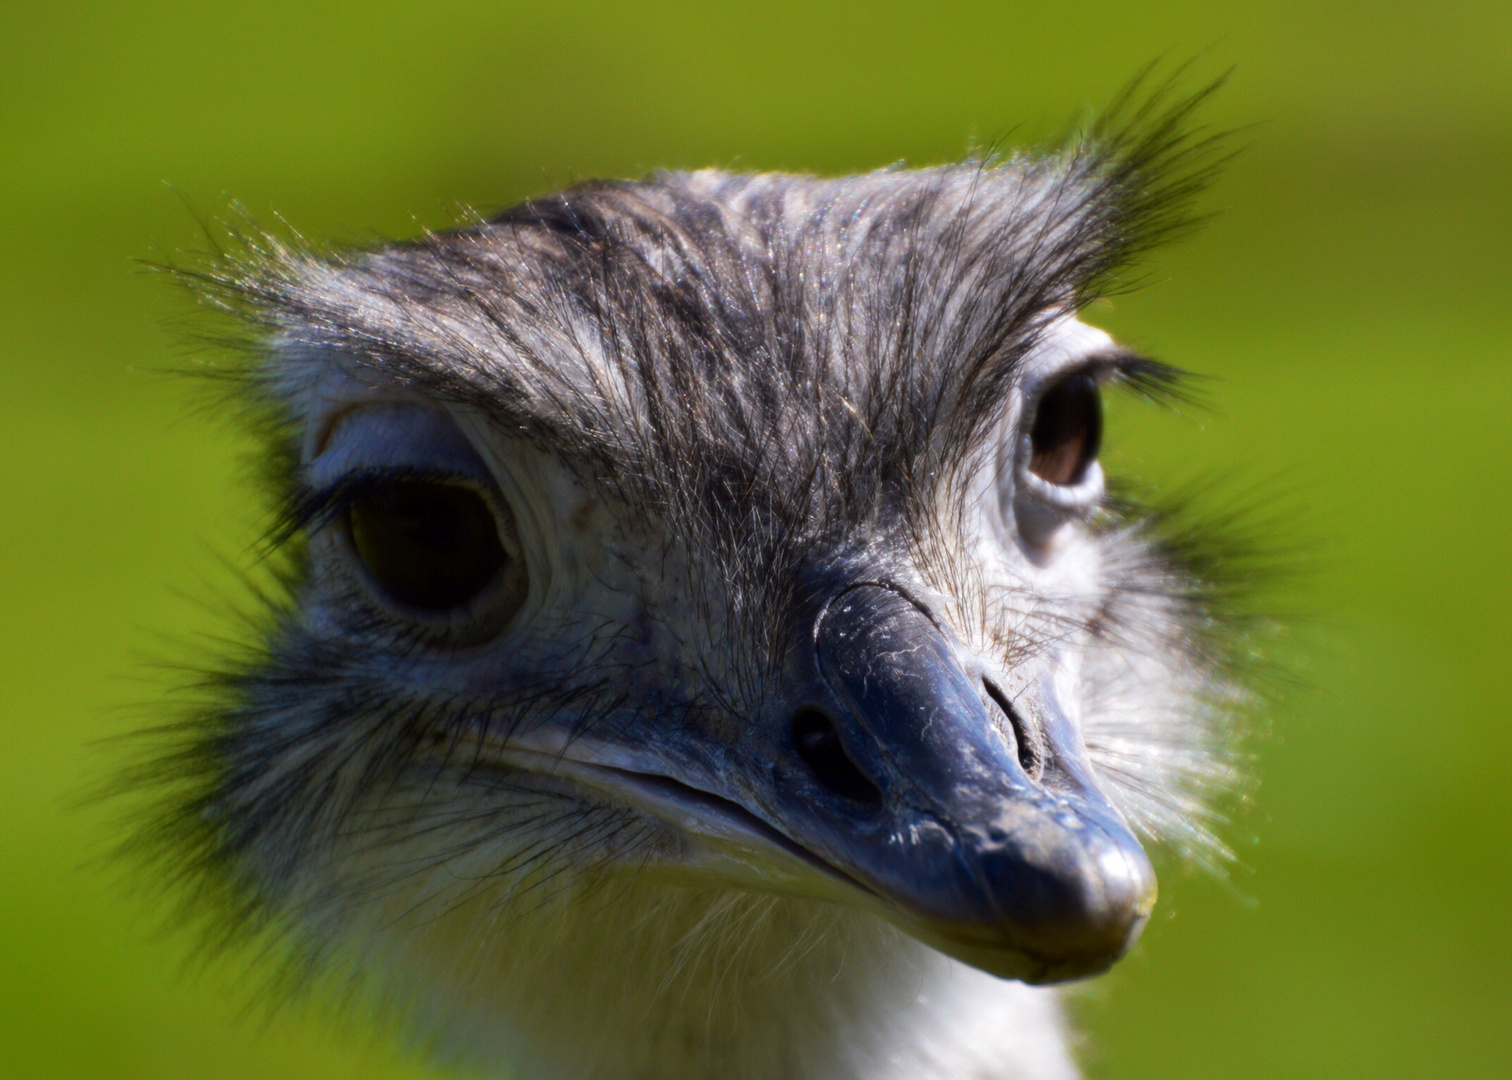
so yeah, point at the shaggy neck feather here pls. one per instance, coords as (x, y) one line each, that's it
(636, 980)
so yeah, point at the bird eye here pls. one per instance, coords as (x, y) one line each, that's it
(1067, 430)
(430, 545)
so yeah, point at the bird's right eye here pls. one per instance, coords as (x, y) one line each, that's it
(428, 545)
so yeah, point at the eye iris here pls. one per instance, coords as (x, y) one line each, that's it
(1067, 430)
(429, 545)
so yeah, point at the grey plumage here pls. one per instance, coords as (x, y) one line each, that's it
(702, 407)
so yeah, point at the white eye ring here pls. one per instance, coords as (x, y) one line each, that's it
(1072, 498)
(1042, 511)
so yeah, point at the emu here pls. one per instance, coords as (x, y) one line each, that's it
(707, 646)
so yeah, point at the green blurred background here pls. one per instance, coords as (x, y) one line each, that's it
(1349, 298)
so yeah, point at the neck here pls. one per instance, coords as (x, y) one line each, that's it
(634, 980)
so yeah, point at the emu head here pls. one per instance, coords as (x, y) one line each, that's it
(732, 534)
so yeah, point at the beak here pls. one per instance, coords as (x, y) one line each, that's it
(904, 775)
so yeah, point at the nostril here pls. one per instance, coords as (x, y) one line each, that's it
(819, 745)
(1030, 759)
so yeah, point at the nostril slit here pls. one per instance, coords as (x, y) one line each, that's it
(819, 745)
(1024, 742)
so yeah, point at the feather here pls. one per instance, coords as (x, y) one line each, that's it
(758, 378)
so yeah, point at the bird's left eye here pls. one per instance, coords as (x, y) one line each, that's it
(1067, 430)
(429, 545)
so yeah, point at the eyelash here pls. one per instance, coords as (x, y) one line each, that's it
(1146, 377)
(311, 509)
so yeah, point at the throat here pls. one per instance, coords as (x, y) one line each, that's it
(632, 979)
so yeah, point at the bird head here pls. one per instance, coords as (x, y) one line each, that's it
(738, 532)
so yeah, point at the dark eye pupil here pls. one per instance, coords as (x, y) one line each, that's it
(1067, 430)
(429, 545)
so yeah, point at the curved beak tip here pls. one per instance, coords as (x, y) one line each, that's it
(1077, 915)
(1045, 900)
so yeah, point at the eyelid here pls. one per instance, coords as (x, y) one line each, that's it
(1071, 498)
(395, 437)
(1114, 365)
(313, 508)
